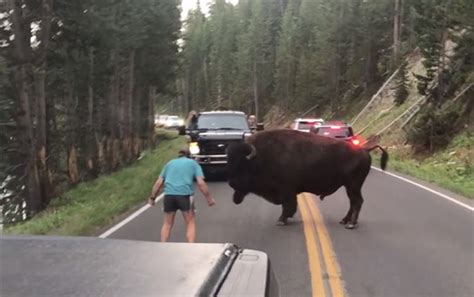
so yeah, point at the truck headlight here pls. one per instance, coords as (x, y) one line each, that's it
(194, 148)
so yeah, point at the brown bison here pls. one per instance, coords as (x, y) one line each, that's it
(279, 164)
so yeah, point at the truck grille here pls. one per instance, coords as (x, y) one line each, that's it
(215, 147)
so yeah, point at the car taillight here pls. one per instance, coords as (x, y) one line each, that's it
(356, 142)
(335, 127)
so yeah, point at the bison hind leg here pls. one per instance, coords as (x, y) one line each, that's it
(350, 226)
(356, 200)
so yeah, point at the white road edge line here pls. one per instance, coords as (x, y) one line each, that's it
(427, 189)
(128, 219)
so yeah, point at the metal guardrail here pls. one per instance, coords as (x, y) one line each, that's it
(410, 113)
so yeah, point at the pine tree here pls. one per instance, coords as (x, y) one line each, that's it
(401, 89)
(286, 56)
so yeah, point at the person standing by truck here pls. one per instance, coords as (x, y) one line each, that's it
(177, 178)
(252, 120)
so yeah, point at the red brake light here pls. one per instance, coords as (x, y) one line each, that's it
(335, 127)
(356, 142)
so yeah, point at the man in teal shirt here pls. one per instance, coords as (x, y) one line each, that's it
(178, 179)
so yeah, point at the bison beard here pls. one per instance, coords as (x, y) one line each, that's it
(279, 164)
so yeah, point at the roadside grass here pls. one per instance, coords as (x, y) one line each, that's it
(451, 168)
(90, 206)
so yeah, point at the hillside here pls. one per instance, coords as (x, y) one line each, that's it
(449, 165)
(377, 117)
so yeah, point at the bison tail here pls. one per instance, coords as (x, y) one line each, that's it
(384, 159)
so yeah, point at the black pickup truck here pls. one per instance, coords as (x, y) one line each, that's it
(211, 132)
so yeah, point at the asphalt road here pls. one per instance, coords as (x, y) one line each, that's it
(409, 242)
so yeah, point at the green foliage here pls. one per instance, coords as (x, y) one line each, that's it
(450, 168)
(84, 209)
(433, 129)
(295, 53)
(104, 63)
(401, 88)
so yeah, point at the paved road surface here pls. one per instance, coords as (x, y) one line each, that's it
(410, 242)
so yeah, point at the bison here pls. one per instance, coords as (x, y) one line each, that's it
(279, 164)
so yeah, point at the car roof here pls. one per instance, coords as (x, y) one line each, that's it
(334, 125)
(222, 112)
(337, 123)
(309, 119)
(89, 266)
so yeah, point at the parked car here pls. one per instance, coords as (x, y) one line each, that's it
(306, 124)
(342, 132)
(211, 132)
(90, 266)
(160, 120)
(173, 122)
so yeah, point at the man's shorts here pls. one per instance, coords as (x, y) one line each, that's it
(172, 203)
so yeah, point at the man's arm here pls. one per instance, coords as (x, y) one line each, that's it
(205, 190)
(155, 190)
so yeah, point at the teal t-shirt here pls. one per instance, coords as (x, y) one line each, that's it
(179, 175)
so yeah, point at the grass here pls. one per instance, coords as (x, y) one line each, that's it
(92, 205)
(451, 168)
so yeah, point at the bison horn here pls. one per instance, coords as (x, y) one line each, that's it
(253, 152)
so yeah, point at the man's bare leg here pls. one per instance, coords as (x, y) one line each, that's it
(167, 226)
(190, 225)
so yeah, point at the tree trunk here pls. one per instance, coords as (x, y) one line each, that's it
(23, 54)
(71, 135)
(113, 110)
(92, 138)
(151, 116)
(255, 89)
(371, 64)
(138, 95)
(397, 32)
(337, 57)
(41, 129)
(287, 83)
(40, 96)
(442, 61)
(128, 106)
(187, 99)
(219, 90)
(206, 83)
(34, 201)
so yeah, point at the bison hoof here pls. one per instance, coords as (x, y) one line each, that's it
(343, 222)
(350, 226)
(281, 223)
(238, 200)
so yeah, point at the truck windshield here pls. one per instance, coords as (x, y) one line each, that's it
(222, 122)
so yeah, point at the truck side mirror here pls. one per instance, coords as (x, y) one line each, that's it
(260, 127)
(182, 130)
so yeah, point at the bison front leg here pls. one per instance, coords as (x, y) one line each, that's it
(289, 208)
(239, 196)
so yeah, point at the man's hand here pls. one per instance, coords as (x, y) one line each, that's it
(211, 201)
(205, 191)
(151, 200)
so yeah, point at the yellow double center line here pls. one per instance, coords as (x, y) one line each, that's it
(325, 272)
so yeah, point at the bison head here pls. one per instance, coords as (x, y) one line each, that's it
(240, 156)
